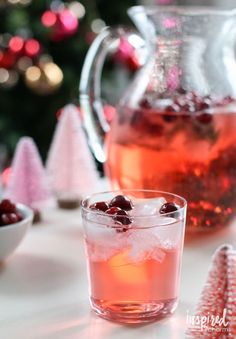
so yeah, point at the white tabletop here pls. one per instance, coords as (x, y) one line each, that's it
(43, 286)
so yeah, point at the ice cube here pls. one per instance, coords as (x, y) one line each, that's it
(170, 233)
(144, 244)
(154, 220)
(99, 218)
(101, 237)
(147, 207)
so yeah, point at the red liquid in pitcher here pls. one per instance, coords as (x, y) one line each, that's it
(184, 146)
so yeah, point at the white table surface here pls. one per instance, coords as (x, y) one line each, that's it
(43, 286)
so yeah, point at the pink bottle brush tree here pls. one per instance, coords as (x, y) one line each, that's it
(70, 165)
(215, 315)
(27, 182)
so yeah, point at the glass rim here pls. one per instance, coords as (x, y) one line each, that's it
(169, 214)
(182, 10)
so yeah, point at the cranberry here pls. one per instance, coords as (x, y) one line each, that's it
(9, 218)
(6, 206)
(121, 201)
(191, 96)
(227, 100)
(181, 90)
(100, 206)
(137, 119)
(180, 101)
(168, 208)
(170, 115)
(206, 104)
(122, 216)
(204, 118)
(155, 129)
(121, 229)
(119, 215)
(175, 107)
(186, 116)
(145, 103)
(113, 210)
(19, 216)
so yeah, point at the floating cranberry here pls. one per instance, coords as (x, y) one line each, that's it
(181, 90)
(204, 118)
(186, 116)
(119, 215)
(170, 111)
(6, 206)
(227, 100)
(189, 107)
(191, 96)
(122, 202)
(113, 210)
(168, 208)
(173, 108)
(122, 216)
(155, 129)
(100, 206)
(145, 103)
(206, 104)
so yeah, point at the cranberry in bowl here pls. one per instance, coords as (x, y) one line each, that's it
(15, 220)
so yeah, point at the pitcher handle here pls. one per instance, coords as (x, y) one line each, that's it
(90, 88)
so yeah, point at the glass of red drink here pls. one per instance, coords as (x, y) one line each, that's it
(134, 242)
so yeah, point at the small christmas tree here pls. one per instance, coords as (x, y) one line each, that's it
(70, 165)
(231, 300)
(215, 315)
(27, 183)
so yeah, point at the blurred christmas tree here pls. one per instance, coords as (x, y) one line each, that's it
(42, 49)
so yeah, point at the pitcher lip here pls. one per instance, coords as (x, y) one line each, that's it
(182, 10)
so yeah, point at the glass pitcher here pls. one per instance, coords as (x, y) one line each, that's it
(175, 126)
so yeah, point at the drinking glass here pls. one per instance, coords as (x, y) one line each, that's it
(134, 265)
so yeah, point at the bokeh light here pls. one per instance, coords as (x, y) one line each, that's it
(32, 47)
(97, 25)
(53, 73)
(48, 19)
(5, 175)
(33, 74)
(68, 20)
(77, 9)
(24, 63)
(16, 44)
(4, 75)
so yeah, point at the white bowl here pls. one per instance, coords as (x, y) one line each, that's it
(12, 235)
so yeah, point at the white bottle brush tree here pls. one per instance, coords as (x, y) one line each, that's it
(27, 182)
(215, 315)
(70, 165)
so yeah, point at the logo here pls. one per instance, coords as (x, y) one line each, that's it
(208, 322)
